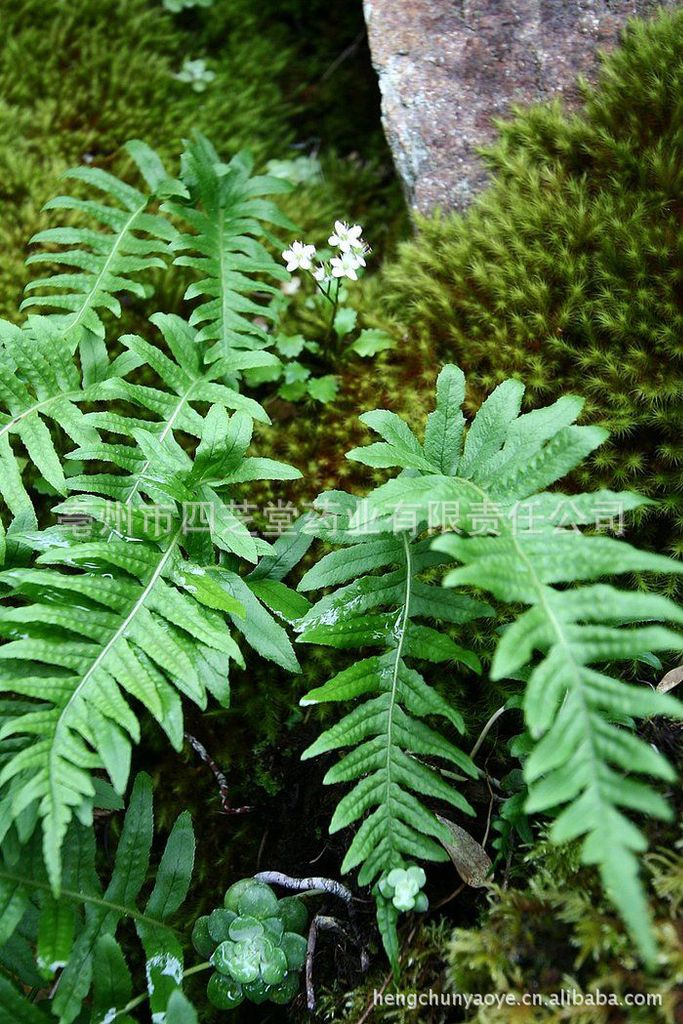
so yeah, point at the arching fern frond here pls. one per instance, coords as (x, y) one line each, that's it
(382, 607)
(524, 545)
(155, 466)
(99, 264)
(224, 246)
(81, 644)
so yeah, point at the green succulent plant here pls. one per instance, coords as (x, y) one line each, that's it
(403, 887)
(255, 945)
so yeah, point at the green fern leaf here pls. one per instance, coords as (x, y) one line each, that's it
(39, 381)
(224, 246)
(100, 264)
(94, 955)
(386, 731)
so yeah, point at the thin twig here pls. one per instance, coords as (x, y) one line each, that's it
(344, 55)
(319, 923)
(329, 885)
(487, 728)
(219, 776)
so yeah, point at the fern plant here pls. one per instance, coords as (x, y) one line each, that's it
(137, 608)
(383, 609)
(508, 535)
(102, 264)
(75, 934)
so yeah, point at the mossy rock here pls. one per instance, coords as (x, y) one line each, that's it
(566, 273)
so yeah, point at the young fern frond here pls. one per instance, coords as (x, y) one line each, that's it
(77, 930)
(39, 380)
(390, 739)
(523, 544)
(102, 263)
(224, 246)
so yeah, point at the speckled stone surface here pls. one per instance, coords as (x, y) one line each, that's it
(448, 67)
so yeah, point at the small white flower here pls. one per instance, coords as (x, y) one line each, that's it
(299, 257)
(346, 265)
(320, 272)
(347, 238)
(291, 287)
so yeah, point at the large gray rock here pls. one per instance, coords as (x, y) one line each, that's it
(447, 67)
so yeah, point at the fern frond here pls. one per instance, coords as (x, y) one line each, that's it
(39, 381)
(99, 264)
(155, 466)
(77, 931)
(224, 246)
(518, 541)
(118, 627)
(390, 739)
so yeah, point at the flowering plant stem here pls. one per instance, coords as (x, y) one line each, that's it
(329, 336)
(138, 1000)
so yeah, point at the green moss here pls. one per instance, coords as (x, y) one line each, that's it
(78, 79)
(558, 932)
(567, 270)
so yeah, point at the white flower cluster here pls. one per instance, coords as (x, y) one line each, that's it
(352, 252)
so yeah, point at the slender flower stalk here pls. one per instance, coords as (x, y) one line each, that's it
(328, 275)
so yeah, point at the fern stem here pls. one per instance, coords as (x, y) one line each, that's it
(397, 661)
(85, 898)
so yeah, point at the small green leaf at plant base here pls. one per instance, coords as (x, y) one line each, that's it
(274, 968)
(294, 946)
(258, 901)
(201, 939)
(218, 924)
(258, 991)
(286, 990)
(290, 346)
(224, 993)
(345, 321)
(324, 389)
(371, 341)
(294, 914)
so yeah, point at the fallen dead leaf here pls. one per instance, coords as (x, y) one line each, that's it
(670, 680)
(471, 860)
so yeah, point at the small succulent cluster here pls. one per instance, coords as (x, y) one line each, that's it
(403, 887)
(197, 74)
(256, 944)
